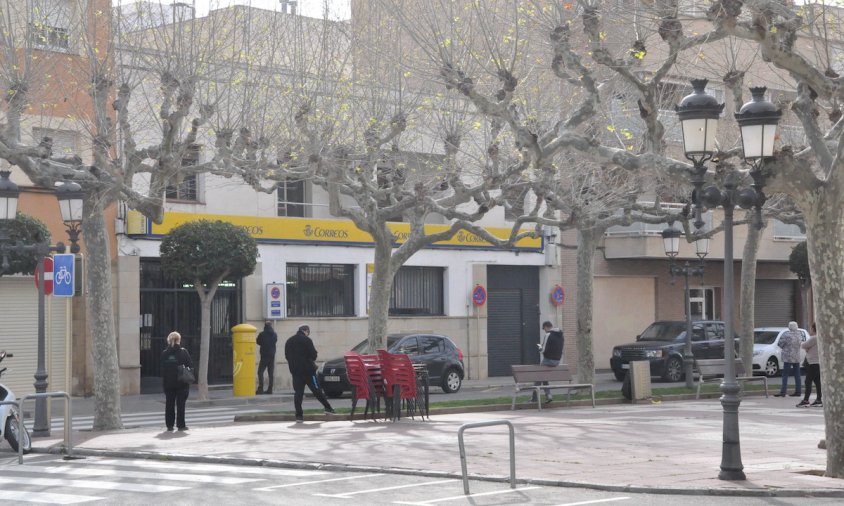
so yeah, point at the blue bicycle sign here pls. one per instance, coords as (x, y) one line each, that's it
(63, 274)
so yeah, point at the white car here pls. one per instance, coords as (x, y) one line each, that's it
(767, 355)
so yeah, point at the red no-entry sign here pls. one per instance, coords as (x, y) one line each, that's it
(48, 276)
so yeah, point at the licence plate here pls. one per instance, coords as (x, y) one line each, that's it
(331, 378)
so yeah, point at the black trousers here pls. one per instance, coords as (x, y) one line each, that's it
(299, 382)
(813, 375)
(266, 364)
(174, 406)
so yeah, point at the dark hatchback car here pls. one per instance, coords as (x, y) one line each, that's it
(662, 345)
(442, 357)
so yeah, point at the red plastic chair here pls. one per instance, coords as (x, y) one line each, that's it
(399, 382)
(361, 383)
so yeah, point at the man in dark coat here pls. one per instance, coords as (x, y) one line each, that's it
(301, 359)
(551, 353)
(267, 340)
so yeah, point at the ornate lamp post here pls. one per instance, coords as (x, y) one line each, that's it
(758, 120)
(671, 242)
(70, 199)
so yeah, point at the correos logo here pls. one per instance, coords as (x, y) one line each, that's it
(325, 233)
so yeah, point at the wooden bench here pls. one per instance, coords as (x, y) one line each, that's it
(557, 377)
(708, 371)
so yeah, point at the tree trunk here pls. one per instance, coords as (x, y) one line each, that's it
(206, 297)
(586, 242)
(101, 316)
(379, 295)
(824, 217)
(748, 295)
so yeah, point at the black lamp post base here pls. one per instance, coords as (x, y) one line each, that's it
(731, 475)
(40, 433)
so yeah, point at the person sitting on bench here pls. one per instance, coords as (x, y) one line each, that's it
(550, 353)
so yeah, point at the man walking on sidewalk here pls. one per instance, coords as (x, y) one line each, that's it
(301, 359)
(267, 340)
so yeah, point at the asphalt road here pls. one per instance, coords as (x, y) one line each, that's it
(47, 479)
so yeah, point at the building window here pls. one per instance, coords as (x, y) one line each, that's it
(320, 290)
(187, 189)
(65, 142)
(50, 24)
(418, 291)
(291, 198)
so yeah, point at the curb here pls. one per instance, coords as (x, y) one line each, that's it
(287, 464)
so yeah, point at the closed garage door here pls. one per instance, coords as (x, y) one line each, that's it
(19, 336)
(774, 302)
(513, 321)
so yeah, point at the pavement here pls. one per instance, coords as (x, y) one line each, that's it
(655, 447)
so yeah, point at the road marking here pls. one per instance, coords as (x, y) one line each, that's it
(205, 468)
(348, 495)
(199, 478)
(45, 497)
(479, 494)
(316, 481)
(99, 485)
(596, 501)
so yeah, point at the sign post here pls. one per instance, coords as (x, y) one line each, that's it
(64, 270)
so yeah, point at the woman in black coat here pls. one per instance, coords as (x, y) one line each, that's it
(175, 391)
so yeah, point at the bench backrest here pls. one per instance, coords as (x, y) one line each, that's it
(526, 373)
(715, 367)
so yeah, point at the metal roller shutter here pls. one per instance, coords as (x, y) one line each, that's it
(774, 303)
(504, 334)
(19, 336)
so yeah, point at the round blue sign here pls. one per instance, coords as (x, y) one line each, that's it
(558, 295)
(275, 292)
(479, 295)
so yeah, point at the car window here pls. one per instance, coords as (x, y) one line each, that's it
(698, 334)
(408, 346)
(363, 346)
(430, 344)
(765, 336)
(662, 331)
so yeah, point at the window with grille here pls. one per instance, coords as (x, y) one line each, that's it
(187, 189)
(320, 290)
(418, 291)
(50, 23)
(291, 198)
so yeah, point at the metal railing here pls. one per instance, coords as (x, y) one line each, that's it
(463, 450)
(68, 420)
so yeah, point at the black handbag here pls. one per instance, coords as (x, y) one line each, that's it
(185, 375)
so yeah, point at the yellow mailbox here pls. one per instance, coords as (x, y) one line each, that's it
(243, 356)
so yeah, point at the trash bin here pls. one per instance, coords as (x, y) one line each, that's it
(243, 357)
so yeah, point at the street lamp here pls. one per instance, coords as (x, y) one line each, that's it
(758, 120)
(671, 243)
(70, 200)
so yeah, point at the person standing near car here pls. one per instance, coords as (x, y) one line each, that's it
(267, 340)
(790, 343)
(175, 391)
(301, 360)
(813, 370)
(550, 353)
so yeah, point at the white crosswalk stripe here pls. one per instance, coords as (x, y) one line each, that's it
(199, 416)
(28, 483)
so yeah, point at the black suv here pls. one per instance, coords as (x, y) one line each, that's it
(662, 344)
(442, 357)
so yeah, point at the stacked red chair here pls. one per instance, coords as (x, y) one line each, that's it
(399, 382)
(361, 383)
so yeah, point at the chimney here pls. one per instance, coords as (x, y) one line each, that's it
(288, 3)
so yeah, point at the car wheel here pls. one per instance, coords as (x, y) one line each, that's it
(619, 375)
(772, 367)
(673, 370)
(333, 394)
(451, 381)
